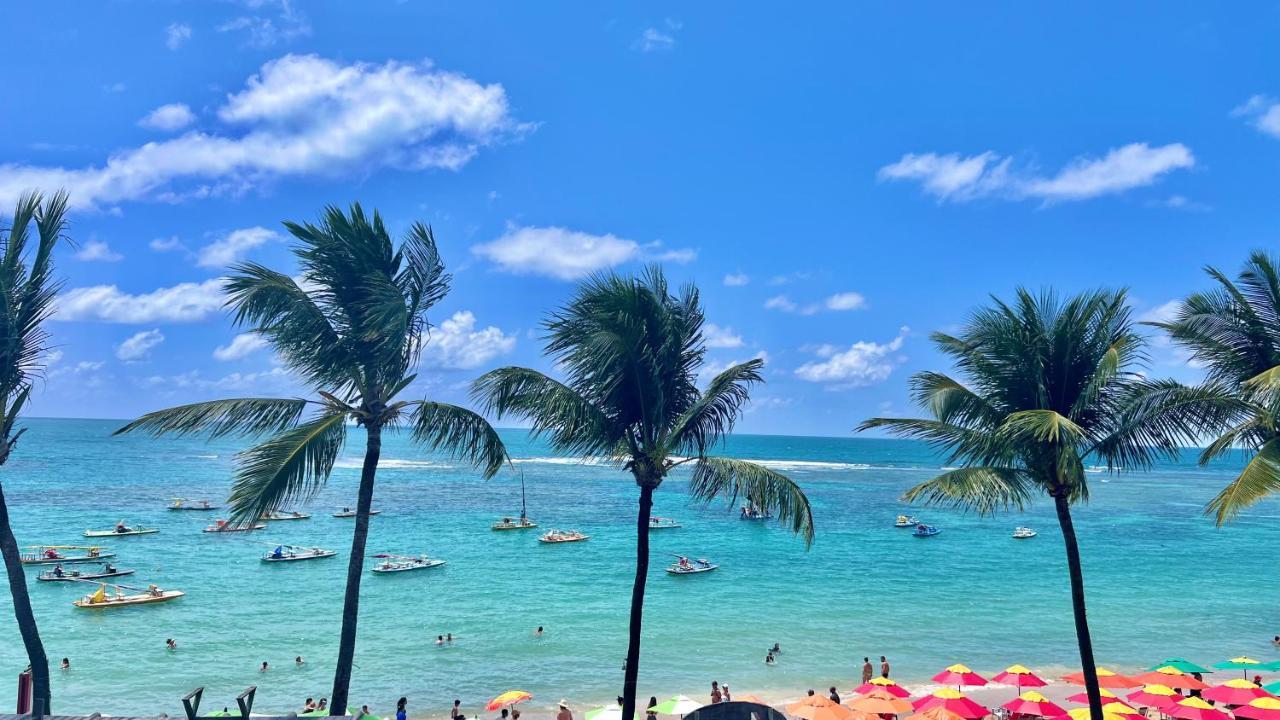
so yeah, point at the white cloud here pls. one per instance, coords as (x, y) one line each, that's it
(712, 368)
(838, 302)
(556, 251)
(176, 35)
(138, 346)
(682, 256)
(1262, 112)
(457, 345)
(300, 115)
(846, 301)
(233, 246)
(241, 346)
(720, 337)
(262, 31)
(116, 87)
(80, 368)
(863, 363)
(275, 378)
(184, 302)
(97, 251)
(1161, 313)
(654, 39)
(988, 175)
(736, 279)
(167, 244)
(781, 302)
(173, 116)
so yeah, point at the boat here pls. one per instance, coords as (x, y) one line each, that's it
(402, 563)
(100, 600)
(521, 523)
(347, 512)
(121, 530)
(563, 536)
(924, 531)
(279, 515)
(54, 555)
(293, 553)
(226, 526)
(1023, 533)
(906, 521)
(185, 504)
(684, 567)
(107, 571)
(661, 523)
(751, 512)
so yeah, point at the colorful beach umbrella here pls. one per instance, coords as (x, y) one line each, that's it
(676, 705)
(1235, 692)
(959, 675)
(936, 714)
(1083, 697)
(1033, 703)
(1263, 708)
(1083, 714)
(1154, 695)
(952, 700)
(1106, 678)
(880, 702)
(1019, 676)
(1182, 664)
(612, 711)
(882, 683)
(1246, 664)
(1170, 676)
(819, 707)
(1193, 708)
(507, 699)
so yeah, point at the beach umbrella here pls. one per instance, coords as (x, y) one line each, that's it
(1263, 708)
(1181, 664)
(676, 705)
(1234, 692)
(952, 700)
(1273, 688)
(959, 675)
(1106, 678)
(1246, 664)
(507, 699)
(1170, 676)
(819, 707)
(880, 702)
(612, 711)
(937, 713)
(1019, 676)
(1154, 695)
(1193, 708)
(1033, 703)
(1083, 697)
(1083, 714)
(882, 683)
(315, 713)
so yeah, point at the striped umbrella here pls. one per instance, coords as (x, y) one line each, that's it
(1235, 692)
(953, 701)
(1155, 695)
(959, 675)
(1106, 678)
(1263, 708)
(1033, 703)
(1170, 676)
(1193, 708)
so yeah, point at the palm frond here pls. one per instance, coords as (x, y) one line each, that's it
(954, 441)
(985, 490)
(714, 414)
(573, 424)
(1156, 418)
(290, 466)
(1260, 478)
(461, 432)
(730, 478)
(247, 416)
(949, 401)
(1041, 425)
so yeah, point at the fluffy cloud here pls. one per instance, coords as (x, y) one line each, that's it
(720, 337)
(1161, 313)
(861, 364)
(1262, 112)
(781, 302)
(457, 345)
(97, 251)
(176, 35)
(300, 115)
(173, 116)
(959, 179)
(233, 246)
(845, 301)
(837, 303)
(277, 378)
(556, 251)
(138, 346)
(736, 279)
(166, 244)
(184, 302)
(241, 346)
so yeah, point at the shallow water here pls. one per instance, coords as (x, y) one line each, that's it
(1161, 579)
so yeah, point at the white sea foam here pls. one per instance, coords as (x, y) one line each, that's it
(391, 463)
(559, 461)
(812, 465)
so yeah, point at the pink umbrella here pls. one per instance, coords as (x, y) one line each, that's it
(1234, 692)
(1019, 676)
(885, 684)
(1033, 703)
(1264, 708)
(952, 701)
(1193, 708)
(1156, 696)
(959, 675)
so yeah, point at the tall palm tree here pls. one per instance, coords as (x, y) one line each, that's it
(1233, 332)
(352, 328)
(1043, 384)
(27, 290)
(631, 351)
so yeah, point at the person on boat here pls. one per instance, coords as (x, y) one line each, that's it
(51, 554)
(684, 563)
(57, 570)
(109, 569)
(93, 552)
(154, 590)
(278, 552)
(121, 527)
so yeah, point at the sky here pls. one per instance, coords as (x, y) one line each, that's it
(838, 179)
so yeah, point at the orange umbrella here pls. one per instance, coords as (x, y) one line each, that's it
(510, 697)
(820, 707)
(938, 713)
(880, 702)
(1170, 676)
(1106, 678)
(1084, 697)
(882, 683)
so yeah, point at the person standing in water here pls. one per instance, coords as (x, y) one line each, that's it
(884, 667)
(866, 670)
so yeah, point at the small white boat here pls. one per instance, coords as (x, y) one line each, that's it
(751, 512)
(185, 504)
(53, 555)
(510, 523)
(100, 600)
(225, 526)
(402, 563)
(661, 523)
(1023, 533)
(59, 575)
(347, 512)
(924, 531)
(293, 553)
(563, 536)
(684, 567)
(121, 530)
(280, 515)
(905, 521)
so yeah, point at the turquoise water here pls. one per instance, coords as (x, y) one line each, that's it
(1161, 579)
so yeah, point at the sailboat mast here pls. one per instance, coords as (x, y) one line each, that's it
(522, 505)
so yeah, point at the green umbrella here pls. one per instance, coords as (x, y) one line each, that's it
(1246, 664)
(315, 713)
(608, 712)
(223, 713)
(676, 705)
(1184, 665)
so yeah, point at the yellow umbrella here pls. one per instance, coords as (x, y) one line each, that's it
(510, 697)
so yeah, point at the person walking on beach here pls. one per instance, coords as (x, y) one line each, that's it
(649, 712)
(835, 696)
(715, 692)
(866, 670)
(565, 713)
(402, 712)
(884, 667)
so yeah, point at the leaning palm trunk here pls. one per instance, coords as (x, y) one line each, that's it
(355, 571)
(631, 672)
(1083, 639)
(40, 693)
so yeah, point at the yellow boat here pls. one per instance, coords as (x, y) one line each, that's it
(100, 600)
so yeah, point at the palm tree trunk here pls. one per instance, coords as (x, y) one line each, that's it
(355, 570)
(1090, 670)
(40, 694)
(632, 669)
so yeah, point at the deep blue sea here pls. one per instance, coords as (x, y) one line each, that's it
(1161, 579)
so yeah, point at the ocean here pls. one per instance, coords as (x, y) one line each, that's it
(1161, 579)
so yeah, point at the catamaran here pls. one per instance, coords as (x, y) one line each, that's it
(521, 523)
(277, 515)
(57, 574)
(347, 512)
(226, 526)
(563, 536)
(404, 563)
(121, 530)
(293, 553)
(185, 504)
(54, 555)
(100, 600)
(661, 523)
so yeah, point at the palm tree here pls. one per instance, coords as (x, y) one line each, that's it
(352, 328)
(1233, 332)
(27, 290)
(1043, 385)
(631, 352)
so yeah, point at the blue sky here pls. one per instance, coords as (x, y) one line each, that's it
(839, 179)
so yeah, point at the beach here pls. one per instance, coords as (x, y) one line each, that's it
(1161, 579)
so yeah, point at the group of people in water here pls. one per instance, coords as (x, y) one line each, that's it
(771, 657)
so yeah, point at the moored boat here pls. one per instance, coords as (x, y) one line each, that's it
(404, 563)
(751, 512)
(521, 523)
(293, 553)
(347, 512)
(121, 530)
(185, 504)
(682, 566)
(563, 536)
(924, 531)
(280, 515)
(54, 555)
(1023, 533)
(100, 600)
(905, 521)
(57, 574)
(226, 526)
(662, 523)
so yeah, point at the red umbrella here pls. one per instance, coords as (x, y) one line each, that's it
(1033, 703)
(1263, 708)
(1084, 697)
(1193, 708)
(1235, 692)
(960, 675)
(1019, 676)
(883, 684)
(952, 701)
(1154, 695)
(1106, 678)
